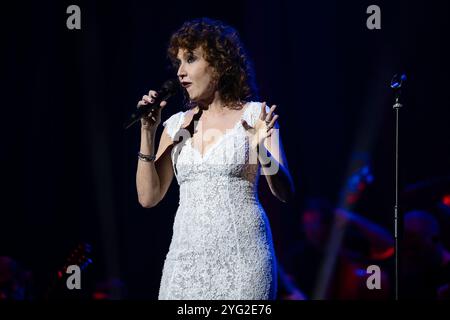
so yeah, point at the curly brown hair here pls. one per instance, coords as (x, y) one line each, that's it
(223, 51)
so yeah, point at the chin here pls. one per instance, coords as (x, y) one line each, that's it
(194, 98)
(191, 97)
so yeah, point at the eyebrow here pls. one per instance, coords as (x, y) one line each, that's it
(186, 53)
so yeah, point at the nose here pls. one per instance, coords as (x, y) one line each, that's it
(181, 73)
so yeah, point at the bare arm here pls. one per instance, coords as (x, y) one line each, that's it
(274, 167)
(271, 155)
(153, 178)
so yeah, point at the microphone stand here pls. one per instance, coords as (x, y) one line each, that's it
(396, 84)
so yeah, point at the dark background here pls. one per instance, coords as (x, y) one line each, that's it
(68, 167)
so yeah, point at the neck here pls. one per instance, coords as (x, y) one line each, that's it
(216, 106)
(213, 105)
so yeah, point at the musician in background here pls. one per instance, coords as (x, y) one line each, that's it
(425, 262)
(364, 243)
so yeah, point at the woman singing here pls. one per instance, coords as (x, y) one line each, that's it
(217, 149)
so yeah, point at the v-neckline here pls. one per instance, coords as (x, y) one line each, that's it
(221, 138)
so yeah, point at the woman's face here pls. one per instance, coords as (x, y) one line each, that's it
(195, 74)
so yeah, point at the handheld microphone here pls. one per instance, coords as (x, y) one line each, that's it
(168, 89)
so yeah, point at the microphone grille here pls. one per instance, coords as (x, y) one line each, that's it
(170, 86)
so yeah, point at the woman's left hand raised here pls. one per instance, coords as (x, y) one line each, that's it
(263, 128)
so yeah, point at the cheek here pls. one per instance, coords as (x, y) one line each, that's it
(210, 82)
(204, 73)
(202, 82)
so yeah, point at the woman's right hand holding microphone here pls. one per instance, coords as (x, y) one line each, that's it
(151, 121)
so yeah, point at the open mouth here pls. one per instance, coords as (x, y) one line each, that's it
(186, 84)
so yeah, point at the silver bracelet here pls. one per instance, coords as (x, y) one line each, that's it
(145, 157)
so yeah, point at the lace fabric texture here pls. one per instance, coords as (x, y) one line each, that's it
(221, 246)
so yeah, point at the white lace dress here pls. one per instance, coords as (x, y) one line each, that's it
(221, 246)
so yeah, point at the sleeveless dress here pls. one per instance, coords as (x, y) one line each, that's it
(221, 247)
